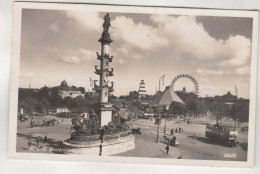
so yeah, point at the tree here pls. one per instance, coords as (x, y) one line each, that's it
(82, 90)
(111, 97)
(43, 93)
(190, 99)
(77, 102)
(133, 95)
(240, 111)
(55, 100)
(177, 108)
(201, 107)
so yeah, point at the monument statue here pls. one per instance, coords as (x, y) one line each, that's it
(106, 23)
(104, 126)
(105, 38)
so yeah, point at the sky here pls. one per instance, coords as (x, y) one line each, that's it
(62, 45)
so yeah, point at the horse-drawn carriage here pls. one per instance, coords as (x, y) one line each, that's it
(136, 130)
(23, 118)
(38, 122)
(170, 139)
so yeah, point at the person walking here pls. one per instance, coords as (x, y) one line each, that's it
(29, 144)
(45, 139)
(172, 131)
(37, 141)
(167, 149)
(100, 150)
(174, 140)
(101, 135)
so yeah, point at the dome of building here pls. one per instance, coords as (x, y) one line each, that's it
(64, 83)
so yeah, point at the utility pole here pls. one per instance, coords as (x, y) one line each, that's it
(158, 118)
(91, 85)
(236, 93)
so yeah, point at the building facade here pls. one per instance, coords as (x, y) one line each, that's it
(65, 90)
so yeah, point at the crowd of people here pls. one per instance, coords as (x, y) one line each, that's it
(176, 130)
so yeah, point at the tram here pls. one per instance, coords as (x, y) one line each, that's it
(222, 134)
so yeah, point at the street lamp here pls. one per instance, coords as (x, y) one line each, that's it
(167, 108)
(229, 104)
(160, 79)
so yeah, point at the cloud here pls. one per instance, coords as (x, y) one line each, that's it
(138, 35)
(181, 36)
(238, 50)
(54, 27)
(88, 55)
(27, 74)
(243, 70)
(71, 59)
(89, 20)
(209, 72)
(188, 36)
(75, 56)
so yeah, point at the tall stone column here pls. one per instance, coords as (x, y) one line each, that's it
(104, 72)
(103, 77)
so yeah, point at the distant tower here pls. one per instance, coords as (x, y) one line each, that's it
(142, 91)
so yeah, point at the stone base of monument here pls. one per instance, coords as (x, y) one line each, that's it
(112, 144)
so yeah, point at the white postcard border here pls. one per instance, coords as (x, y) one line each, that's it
(14, 84)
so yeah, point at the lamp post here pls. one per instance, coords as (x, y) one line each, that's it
(167, 108)
(158, 126)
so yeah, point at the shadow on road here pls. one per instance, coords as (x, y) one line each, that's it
(208, 141)
(53, 145)
(243, 146)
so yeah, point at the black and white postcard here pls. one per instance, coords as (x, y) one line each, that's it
(131, 84)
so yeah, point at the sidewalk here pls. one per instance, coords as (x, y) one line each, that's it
(150, 149)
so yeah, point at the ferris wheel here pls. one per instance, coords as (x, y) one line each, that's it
(183, 76)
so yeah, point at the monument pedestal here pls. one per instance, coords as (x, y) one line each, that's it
(112, 144)
(106, 113)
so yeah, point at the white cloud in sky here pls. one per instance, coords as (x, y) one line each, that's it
(139, 35)
(238, 50)
(183, 34)
(27, 74)
(71, 59)
(89, 20)
(54, 27)
(209, 72)
(186, 35)
(75, 56)
(243, 70)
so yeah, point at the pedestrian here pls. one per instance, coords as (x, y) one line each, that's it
(167, 149)
(37, 141)
(101, 135)
(172, 131)
(174, 140)
(29, 144)
(100, 150)
(176, 130)
(45, 139)
(179, 129)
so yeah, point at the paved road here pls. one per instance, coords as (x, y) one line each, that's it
(193, 143)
